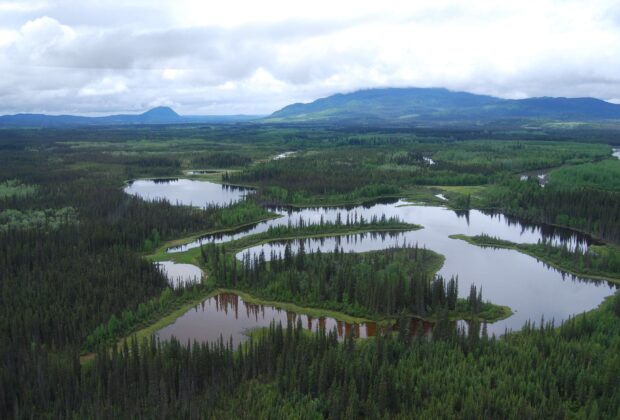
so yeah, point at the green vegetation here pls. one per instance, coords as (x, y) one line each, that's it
(305, 229)
(152, 315)
(72, 266)
(594, 211)
(221, 160)
(14, 188)
(307, 310)
(598, 261)
(48, 219)
(369, 285)
(543, 372)
(604, 175)
(364, 168)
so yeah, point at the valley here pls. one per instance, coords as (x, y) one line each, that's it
(226, 247)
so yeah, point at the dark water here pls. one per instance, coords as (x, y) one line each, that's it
(186, 191)
(227, 315)
(180, 274)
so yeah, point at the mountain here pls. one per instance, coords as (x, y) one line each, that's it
(411, 105)
(158, 115)
(391, 106)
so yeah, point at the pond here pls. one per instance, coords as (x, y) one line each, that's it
(229, 316)
(283, 155)
(531, 288)
(180, 275)
(186, 191)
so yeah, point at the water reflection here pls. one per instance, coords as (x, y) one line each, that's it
(180, 275)
(532, 289)
(230, 317)
(283, 155)
(475, 222)
(186, 191)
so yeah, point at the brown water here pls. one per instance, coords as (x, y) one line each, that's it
(230, 317)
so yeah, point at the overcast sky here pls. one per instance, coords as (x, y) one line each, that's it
(253, 57)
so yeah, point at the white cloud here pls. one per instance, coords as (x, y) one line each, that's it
(22, 6)
(90, 56)
(105, 86)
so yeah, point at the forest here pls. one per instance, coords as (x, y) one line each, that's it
(76, 279)
(543, 372)
(388, 283)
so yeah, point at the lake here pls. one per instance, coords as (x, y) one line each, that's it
(186, 192)
(531, 288)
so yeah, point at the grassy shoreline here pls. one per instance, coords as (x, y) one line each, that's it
(306, 310)
(161, 250)
(264, 238)
(171, 317)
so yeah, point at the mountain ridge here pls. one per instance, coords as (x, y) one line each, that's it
(377, 106)
(434, 104)
(157, 115)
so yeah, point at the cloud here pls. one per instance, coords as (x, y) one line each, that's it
(21, 6)
(90, 56)
(105, 86)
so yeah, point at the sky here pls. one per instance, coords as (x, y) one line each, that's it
(95, 57)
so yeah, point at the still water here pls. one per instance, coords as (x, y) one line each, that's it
(180, 275)
(230, 317)
(186, 192)
(532, 289)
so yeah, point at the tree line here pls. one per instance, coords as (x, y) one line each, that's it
(379, 283)
(543, 372)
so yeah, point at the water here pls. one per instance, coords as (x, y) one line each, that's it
(507, 277)
(283, 155)
(532, 289)
(616, 153)
(427, 216)
(180, 274)
(228, 316)
(203, 171)
(287, 215)
(186, 191)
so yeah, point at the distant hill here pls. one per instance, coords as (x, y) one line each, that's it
(158, 115)
(411, 105)
(385, 106)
